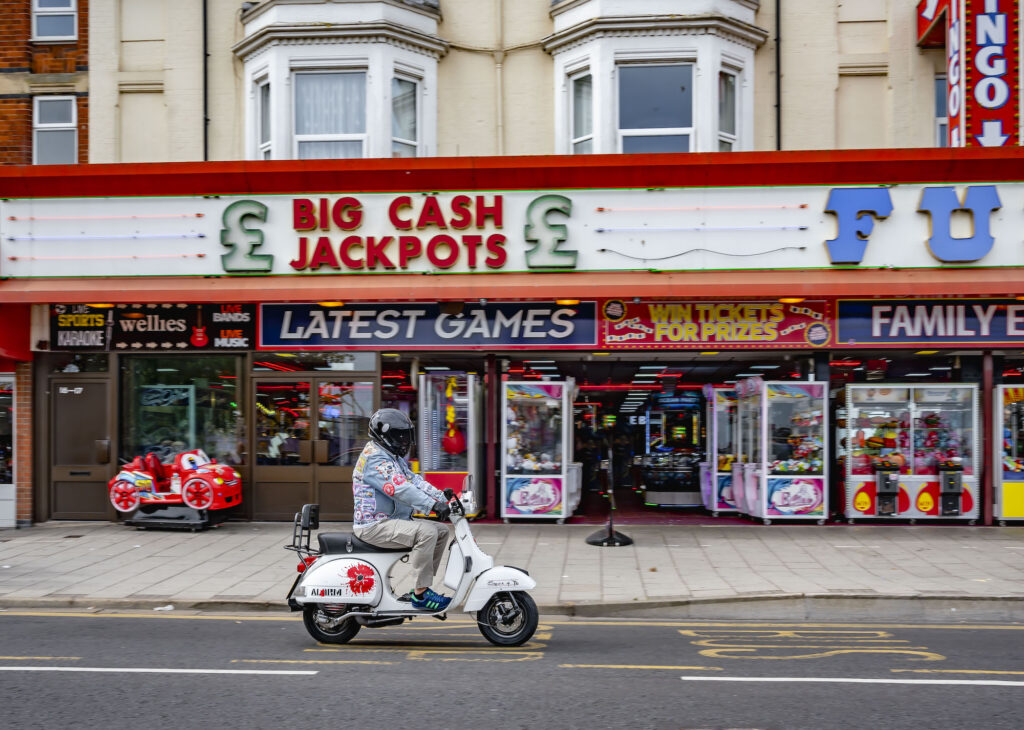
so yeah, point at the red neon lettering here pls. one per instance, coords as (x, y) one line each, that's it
(484, 211)
(409, 247)
(299, 263)
(402, 201)
(375, 252)
(431, 214)
(325, 218)
(435, 257)
(471, 243)
(347, 214)
(323, 255)
(346, 245)
(462, 212)
(303, 217)
(496, 248)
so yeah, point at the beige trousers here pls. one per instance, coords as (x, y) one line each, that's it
(426, 539)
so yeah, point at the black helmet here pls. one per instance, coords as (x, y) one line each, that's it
(392, 430)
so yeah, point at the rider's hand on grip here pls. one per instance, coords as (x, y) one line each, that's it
(442, 510)
(449, 493)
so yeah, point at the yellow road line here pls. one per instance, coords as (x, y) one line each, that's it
(307, 661)
(638, 666)
(39, 658)
(959, 671)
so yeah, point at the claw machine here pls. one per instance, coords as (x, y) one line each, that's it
(783, 425)
(912, 451)
(716, 490)
(1009, 457)
(450, 434)
(536, 430)
(670, 466)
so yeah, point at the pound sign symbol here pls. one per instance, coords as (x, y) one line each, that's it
(243, 241)
(547, 238)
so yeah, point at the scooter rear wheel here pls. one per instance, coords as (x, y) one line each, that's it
(508, 619)
(329, 627)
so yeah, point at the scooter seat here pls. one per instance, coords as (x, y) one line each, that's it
(332, 543)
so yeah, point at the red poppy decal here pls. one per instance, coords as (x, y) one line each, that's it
(360, 579)
(389, 489)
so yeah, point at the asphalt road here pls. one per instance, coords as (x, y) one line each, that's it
(169, 670)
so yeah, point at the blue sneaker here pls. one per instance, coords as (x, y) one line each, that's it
(429, 601)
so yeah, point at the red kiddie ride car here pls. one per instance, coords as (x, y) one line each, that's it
(194, 479)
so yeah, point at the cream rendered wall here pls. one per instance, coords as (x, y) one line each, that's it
(495, 43)
(146, 62)
(852, 76)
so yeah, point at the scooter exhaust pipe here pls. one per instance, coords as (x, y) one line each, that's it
(376, 623)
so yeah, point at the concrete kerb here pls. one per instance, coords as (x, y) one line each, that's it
(919, 609)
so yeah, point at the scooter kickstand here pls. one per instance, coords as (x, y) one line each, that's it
(442, 617)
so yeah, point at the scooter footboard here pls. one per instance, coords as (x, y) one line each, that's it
(498, 579)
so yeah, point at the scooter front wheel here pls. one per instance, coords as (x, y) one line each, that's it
(329, 627)
(508, 619)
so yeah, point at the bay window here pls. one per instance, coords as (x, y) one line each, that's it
(582, 115)
(655, 108)
(330, 115)
(726, 111)
(404, 123)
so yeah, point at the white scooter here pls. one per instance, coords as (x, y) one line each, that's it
(346, 585)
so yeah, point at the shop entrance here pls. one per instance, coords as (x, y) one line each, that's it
(80, 459)
(308, 435)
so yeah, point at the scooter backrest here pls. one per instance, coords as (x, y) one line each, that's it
(310, 519)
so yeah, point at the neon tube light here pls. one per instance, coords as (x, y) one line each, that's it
(704, 207)
(155, 216)
(113, 237)
(100, 258)
(645, 229)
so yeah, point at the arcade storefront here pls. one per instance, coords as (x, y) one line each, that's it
(786, 335)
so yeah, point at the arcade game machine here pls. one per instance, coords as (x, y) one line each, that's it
(537, 479)
(670, 468)
(1009, 492)
(783, 426)
(911, 452)
(716, 472)
(451, 434)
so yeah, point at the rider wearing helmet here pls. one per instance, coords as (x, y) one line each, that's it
(387, 492)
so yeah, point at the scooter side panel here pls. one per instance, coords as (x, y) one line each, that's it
(340, 580)
(497, 580)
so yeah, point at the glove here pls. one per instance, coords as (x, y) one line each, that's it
(442, 510)
(449, 493)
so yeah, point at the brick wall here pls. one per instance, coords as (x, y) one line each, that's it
(24, 64)
(23, 442)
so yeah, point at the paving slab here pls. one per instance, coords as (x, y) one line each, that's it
(874, 572)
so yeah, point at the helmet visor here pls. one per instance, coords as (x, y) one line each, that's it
(400, 440)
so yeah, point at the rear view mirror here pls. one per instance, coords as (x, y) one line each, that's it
(467, 483)
(310, 519)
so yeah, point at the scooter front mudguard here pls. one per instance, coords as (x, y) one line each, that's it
(499, 579)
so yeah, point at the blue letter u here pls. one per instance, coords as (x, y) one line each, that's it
(940, 202)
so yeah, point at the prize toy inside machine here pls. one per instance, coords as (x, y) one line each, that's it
(789, 480)
(716, 471)
(670, 468)
(1009, 407)
(450, 434)
(536, 478)
(910, 452)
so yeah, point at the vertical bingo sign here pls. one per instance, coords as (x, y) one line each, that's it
(982, 67)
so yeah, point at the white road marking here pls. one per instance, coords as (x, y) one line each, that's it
(154, 670)
(855, 680)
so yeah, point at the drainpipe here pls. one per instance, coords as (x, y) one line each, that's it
(499, 64)
(778, 74)
(206, 90)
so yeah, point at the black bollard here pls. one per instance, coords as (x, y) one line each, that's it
(609, 537)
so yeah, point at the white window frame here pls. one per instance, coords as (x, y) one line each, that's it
(941, 123)
(589, 137)
(732, 138)
(418, 83)
(37, 126)
(691, 131)
(264, 148)
(37, 12)
(362, 138)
